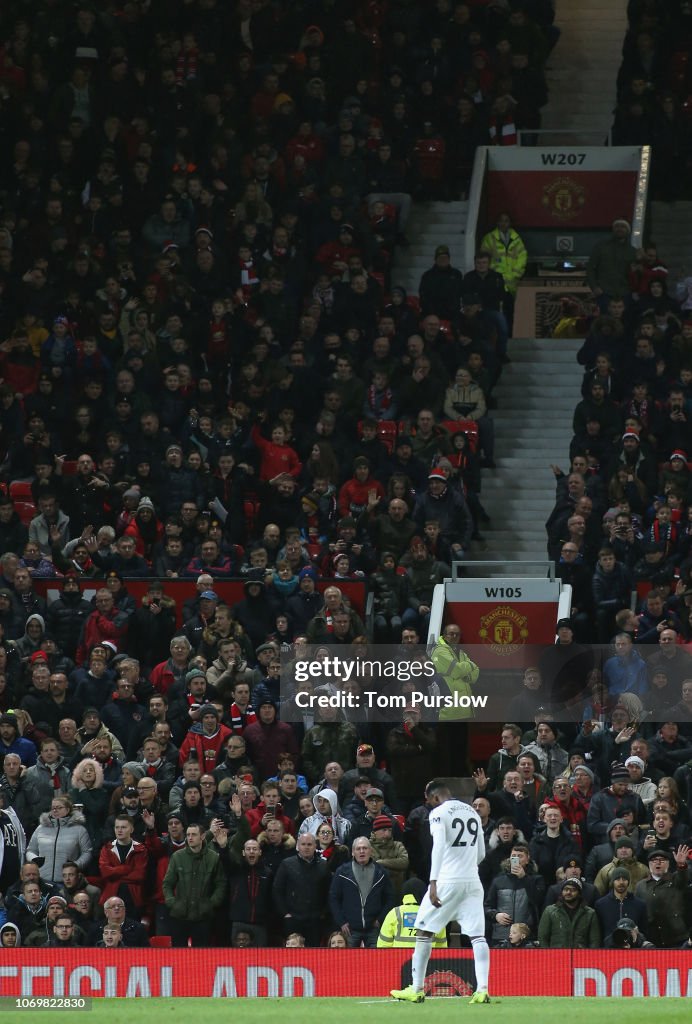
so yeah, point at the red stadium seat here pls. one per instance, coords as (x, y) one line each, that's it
(69, 467)
(387, 431)
(21, 490)
(251, 511)
(26, 510)
(161, 942)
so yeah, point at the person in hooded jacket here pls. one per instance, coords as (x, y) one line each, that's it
(327, 811)
(152, 626)
(267, 738)
(10, 936)
(255, 612)
(30, 642)
(61, 835)
(67, 615)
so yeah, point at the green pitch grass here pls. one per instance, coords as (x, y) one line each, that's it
(548, 1010)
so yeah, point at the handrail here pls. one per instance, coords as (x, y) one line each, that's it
(480, 168)
(548, 567)
(641, 198)
(535, 132)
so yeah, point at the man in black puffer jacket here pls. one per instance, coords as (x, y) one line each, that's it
(300, 891)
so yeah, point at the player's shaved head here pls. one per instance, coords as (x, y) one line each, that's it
(437, 787)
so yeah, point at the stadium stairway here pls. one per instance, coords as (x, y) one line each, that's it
(430, 225)
(582, 70)
(536, 397)
(670, 226)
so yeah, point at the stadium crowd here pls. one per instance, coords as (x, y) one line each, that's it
(209, 374)
(653, 92)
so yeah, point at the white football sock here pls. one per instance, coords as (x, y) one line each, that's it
(419, 963)
(481, 959)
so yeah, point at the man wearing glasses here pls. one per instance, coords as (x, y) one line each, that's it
(64, 933)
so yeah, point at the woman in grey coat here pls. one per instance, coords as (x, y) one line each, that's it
(60, 836)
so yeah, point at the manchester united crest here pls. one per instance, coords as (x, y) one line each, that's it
(565, 198)
(504, 630)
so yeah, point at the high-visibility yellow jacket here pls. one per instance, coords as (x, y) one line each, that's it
(508, 259)
(459, 673)
(397, 931)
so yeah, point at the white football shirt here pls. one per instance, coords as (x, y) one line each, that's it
(458, 843)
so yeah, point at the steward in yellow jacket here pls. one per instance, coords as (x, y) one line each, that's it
(459, 673)
(397, 931)
(507, 253)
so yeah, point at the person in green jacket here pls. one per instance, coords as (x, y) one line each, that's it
(569, 923)
(193, 888)
(610, 263)
(508, 256)
(458, 672)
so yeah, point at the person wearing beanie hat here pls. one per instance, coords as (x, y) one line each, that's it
(267, 738)
(619, 901)
(12, 743)
(613, 801)
(144, 528)
(441, 286)
(583, 769)
(638, 782)
(569, 923)
(307, 602)
(389, 852)
(624, 850)
(206, 738)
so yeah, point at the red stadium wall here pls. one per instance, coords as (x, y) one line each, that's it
(224, 973)
(230, 591)
(572, 198)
